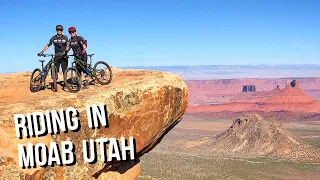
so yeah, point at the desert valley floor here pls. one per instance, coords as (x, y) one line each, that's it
(176, 158)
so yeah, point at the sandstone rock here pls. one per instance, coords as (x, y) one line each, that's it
(223, 90)
(255, 97)
(9, 145)
(252, 135)
(249, 88)
(122, 173)
(291, 99)
(142, 104)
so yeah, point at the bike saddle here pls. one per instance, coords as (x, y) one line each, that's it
(41, 61)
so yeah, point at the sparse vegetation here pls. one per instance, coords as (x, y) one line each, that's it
(315, 142)
(184, 166)
(295, 129)
(165, 163)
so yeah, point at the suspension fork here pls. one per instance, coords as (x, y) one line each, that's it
(53, 73)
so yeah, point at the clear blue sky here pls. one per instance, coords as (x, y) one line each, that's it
(163, 32)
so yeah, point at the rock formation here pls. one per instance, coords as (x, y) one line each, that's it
(249, 88)
(252, 135)
(142, 104)
(291, 98)
(223, 90)
(254, 97)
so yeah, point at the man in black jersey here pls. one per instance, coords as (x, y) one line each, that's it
(60, 43)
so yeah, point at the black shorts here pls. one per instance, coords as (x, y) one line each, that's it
(61, 60)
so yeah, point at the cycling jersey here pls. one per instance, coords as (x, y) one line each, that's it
(59, 42)
(75, 43)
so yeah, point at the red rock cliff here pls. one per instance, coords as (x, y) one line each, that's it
(290, 98)
(211, 91)
(142, 104)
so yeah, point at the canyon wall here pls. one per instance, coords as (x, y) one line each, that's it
(217, 91)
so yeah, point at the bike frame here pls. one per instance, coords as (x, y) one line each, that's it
(83, 65)
(48, 66)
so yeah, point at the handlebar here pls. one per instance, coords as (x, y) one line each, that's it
(46, 55)
(52, 55)
(87, 55)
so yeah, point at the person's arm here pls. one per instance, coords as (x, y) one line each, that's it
(48, 45)
(84, 46)
(68, 46)
(45, 48)
(67, 40)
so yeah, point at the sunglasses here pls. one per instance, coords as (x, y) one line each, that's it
(71, 32)
(59, 29)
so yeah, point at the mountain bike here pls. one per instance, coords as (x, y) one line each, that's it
(38, 77)
(73, 78)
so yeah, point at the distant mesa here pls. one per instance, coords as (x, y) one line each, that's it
(289, 99)
(223, 90)
(254, 96)
(252, 88)
(249, 88)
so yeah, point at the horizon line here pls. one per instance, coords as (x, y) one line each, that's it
(138, 66)
(223, 65)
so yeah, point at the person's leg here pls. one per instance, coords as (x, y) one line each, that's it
(64, 64)
(57, 62)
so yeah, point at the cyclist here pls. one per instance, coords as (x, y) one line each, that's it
(78, 45)
(60, 43)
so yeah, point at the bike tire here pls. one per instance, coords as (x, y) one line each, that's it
(96, 76)
(54, 79)
(67, 84)
(37, 88)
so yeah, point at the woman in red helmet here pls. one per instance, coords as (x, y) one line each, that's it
(78, 45)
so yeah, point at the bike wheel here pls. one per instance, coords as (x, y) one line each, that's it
(72, 80)
(102, 72)
(36, 80)
(54, 73)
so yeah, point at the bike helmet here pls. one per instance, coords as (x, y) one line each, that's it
(72, 29)
(59, 27)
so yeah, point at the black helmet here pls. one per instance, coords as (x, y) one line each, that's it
(59, 27)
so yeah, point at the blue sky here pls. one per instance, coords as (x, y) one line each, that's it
(163, 32)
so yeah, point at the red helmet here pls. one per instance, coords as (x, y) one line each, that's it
(72, 29)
